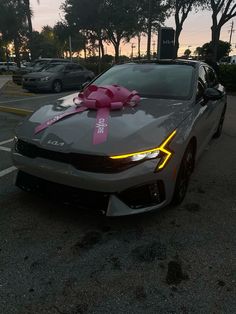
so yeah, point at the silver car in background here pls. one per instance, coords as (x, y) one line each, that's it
(57, 77)
(151, 149)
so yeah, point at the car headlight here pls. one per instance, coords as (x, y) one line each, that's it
(163, 153)
(44, 79)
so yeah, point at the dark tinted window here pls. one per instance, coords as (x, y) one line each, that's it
(152, 80)
(78, 67)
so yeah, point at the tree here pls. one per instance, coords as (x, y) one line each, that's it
(223, 49)
(13, 24)
(198, 52)
(120, 22)
(152, 14)
(181, 9)
(222, 12)
(86, 17)
(113, 21)
(187, 52)
(29, 14)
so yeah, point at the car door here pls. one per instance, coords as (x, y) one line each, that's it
(79, 74)
(68, 76)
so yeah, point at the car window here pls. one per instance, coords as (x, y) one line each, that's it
(200, 90)
(53, 68)
(203, 76)
(78, 67)
(173, 81)
(211, 77)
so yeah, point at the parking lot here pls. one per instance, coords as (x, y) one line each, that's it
(55, 258)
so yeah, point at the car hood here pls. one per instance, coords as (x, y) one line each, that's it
(132, 129)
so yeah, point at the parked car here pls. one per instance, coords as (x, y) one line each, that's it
(8, 66)
(228, 60)
(57, 77)
(34, 66)
(150, 150)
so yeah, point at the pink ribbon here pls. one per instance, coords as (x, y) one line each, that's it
(103, 99)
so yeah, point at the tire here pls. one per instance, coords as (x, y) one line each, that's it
(220, 125)
(57, 86)
(185, 170)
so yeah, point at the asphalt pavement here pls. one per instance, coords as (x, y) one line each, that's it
(57, 259)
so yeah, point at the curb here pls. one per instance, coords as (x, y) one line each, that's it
(20, 112)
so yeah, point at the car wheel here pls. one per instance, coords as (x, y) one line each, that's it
(220, 125)
(184, 173)
(57, 86)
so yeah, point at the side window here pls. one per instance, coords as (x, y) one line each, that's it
(203, 76)
(78, 68)
(200, 90)
(211, 77)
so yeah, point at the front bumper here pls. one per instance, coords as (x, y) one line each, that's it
(119, 189)
(37, 85)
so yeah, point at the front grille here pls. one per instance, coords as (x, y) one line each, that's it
(84, 162)
(85, 199)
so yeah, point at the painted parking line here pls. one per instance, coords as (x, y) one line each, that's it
(7, 171)
(5, 149)
(35, 97)
(18, 111)
(7, 141)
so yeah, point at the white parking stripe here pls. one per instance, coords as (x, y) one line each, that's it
(5, 149)
(5, 142)
(7, 171)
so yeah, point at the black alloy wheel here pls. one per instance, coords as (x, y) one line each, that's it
(184, 173)
(57, 86)
(220, 125)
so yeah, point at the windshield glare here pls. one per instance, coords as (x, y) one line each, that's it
(152, 80)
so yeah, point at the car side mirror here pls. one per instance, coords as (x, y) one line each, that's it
(212, 94)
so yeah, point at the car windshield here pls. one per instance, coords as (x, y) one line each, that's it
(172, 81)
(53, 68)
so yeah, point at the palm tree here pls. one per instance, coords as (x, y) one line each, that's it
(29, 14)
(29, 20)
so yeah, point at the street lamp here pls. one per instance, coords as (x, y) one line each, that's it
(132, 50)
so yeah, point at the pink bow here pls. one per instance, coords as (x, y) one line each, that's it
(103, 99)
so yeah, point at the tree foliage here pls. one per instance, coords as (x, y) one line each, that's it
(181, 10)
(222, 12)
(13, 24)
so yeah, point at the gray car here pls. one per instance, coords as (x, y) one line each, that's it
(35, 66)
(151, 148)
(57, 77)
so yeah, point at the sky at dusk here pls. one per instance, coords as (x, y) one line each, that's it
(196, 29)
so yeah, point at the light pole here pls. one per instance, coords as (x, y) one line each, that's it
(70, 48)
(132, 51)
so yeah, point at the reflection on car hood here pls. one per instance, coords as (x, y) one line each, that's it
(132, 129)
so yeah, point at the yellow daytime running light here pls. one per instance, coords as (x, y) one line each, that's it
(161, 148)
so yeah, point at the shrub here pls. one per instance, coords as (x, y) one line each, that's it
(227, 76)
